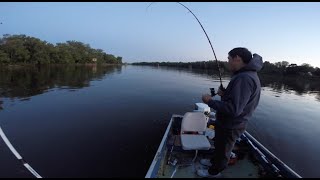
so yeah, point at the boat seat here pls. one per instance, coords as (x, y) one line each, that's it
(195, 142)
(195, 122)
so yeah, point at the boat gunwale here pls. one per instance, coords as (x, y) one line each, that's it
(274, 159)
(159, 153)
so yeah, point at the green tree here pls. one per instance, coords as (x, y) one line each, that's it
(4, 58)
(119, 60)
(26, 49)
(317, 72)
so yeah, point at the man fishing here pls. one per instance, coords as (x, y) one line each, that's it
(238, 102)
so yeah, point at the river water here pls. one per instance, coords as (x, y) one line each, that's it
(108, 121)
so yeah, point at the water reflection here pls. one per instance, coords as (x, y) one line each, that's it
(298, 85)
(203, 73)
(23, 82)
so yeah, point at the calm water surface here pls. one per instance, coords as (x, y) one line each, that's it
(108, 121)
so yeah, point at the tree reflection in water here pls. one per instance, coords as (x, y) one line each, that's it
(23, 82)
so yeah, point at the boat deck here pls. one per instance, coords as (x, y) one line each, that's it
(244, 167)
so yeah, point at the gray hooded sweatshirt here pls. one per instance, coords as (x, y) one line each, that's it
(241, 96)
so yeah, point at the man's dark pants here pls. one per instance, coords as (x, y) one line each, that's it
(224, 142)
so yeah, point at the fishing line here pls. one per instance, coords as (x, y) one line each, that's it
(206, 36)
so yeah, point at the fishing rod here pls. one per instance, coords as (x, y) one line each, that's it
(15, 152)
(18, 156)
(211, 89)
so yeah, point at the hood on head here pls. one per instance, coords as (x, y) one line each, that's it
(255, 64)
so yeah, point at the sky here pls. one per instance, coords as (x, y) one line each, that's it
(166, 31)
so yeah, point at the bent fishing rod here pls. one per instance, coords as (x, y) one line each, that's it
(212, 89)
(18, 156)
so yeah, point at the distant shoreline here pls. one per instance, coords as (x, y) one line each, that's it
(269, 69)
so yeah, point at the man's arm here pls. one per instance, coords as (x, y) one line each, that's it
(237, 99)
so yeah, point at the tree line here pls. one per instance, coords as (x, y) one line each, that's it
(279, 68)
(25, 49)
